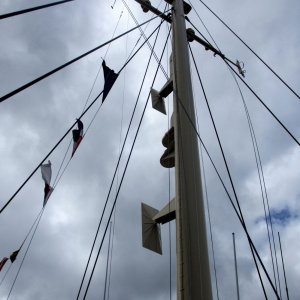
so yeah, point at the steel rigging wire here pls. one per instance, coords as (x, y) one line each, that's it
(230, 178)
(31, 83)
(24, 11)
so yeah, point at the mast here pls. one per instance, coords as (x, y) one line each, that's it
(193, 274)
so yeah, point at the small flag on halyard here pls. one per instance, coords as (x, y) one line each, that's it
(46, 175)
(109, 79)
(77, 136)
(2, 262)
(14, 255)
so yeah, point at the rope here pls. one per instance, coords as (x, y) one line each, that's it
(24, 11)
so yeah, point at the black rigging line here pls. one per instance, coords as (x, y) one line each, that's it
(16, 277)
(56, 145)
(24, 11)
(124, 172)
(257, 158)
(260, 100)
(251, 50)
(228, 172)
(286, 287)
(29, 84)
(119, 159)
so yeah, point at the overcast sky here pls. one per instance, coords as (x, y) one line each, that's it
(32, 121)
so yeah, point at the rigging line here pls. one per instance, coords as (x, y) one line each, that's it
(142, 32)
(86, 102)
(115, 172)
(63, 160)
(16, 277)
(262, 182)
(114, 33)
(267, 108)
(251, 50)
(24, 11)
(29, 84)
(286, 287)
(56, 145)
(22, 244)
(169, 186)
(209, 217)
(117, 182)
(2, 280)
(107, 262)
(102, 102)
(259, 159)
(125, 169)
(230, 178)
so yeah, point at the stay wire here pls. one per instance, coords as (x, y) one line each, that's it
(232, 185)
(243, 42)
(62, 138)
(209, 218)
(117, 166)
(267, 108)
(23, 259)
(124, 172)
(262, 185)
(257, 158)
(31, 83)
(27, 10)
(286, 287)
(143, 34)
(117, 182)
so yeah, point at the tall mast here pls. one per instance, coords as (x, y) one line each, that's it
(193, 274)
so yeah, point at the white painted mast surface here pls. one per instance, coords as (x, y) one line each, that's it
(193, 273)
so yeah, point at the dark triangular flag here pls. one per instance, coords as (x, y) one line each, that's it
(77, 136)
(2, 262)
(109, 79)
(14, 255)
(46, 175)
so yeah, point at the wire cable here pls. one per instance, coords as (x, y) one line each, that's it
(251, 50)
(115, 172)
(231, 181)
(16, 277)
(124, 172)
(31, 83)
(24, 11)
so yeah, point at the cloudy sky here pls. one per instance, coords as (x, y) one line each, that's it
(33, 121)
